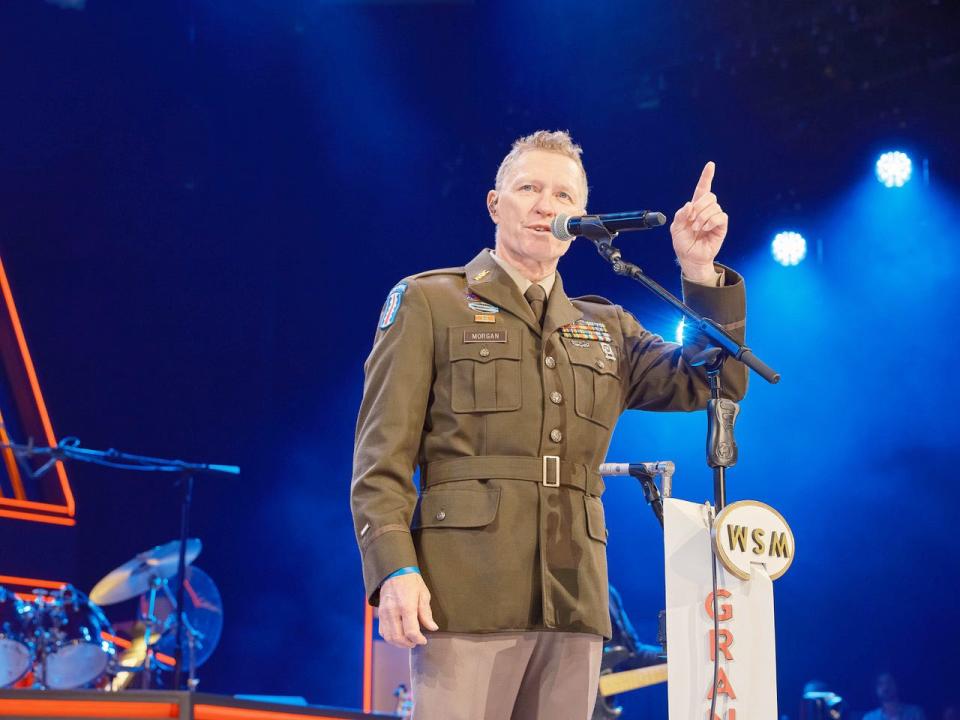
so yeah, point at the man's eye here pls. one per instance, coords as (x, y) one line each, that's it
(528, 186)
(564, 195)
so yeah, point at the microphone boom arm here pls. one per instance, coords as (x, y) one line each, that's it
(719, 337)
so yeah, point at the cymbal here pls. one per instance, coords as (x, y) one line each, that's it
(203, 609)
(135, 576)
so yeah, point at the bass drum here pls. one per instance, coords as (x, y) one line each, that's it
(75, 652)
(16, 656)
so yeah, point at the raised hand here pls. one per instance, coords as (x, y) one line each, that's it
(698, 230)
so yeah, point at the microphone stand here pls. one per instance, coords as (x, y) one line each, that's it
(69, 449)
(186, 482)
(721, 413)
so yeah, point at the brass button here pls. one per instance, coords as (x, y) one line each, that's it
(550, 362)
(556, 435)
(556, 397)
(484, 352)
(600, 364)
(441, 515)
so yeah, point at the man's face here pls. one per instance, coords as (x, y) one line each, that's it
(538, 186)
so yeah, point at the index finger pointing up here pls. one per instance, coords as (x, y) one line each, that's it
(705, 181)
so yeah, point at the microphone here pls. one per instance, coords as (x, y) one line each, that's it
(601, 227)
(644, 470)
(664, 467)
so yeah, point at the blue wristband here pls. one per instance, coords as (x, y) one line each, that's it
(402, 571)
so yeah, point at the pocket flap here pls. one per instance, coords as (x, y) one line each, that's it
(457, 508)
(467, 343)
(596, 524)
(592, 356)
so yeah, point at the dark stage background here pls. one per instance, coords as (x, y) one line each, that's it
(203, 205)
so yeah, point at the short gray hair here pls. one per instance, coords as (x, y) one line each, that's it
(558, 141)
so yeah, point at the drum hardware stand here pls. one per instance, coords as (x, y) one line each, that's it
(150, 621)
(69, 449)
(186, 482)
(43, 635)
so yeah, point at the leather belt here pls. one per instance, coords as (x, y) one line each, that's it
(548, 470)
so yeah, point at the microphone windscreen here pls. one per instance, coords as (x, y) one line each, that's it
(559, 228)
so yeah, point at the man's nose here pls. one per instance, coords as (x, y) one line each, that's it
(544, 205)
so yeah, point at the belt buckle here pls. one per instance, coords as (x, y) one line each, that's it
(553, 481)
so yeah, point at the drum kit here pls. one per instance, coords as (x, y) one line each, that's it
(61, 639)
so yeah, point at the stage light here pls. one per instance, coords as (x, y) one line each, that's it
(894, 168)
(679, 335)
(789, 248)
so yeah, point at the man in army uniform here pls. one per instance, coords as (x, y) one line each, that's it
(505, 393)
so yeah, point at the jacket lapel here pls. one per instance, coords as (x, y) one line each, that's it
(487, 280)
(560, 310)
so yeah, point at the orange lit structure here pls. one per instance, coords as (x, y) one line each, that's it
(134, 704)
(51, 500)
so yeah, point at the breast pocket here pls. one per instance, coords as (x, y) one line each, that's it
(596, 380)
(485, 374)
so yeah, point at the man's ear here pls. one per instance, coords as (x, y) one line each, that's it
(492, 204)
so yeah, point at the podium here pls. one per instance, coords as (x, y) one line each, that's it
(753, 546)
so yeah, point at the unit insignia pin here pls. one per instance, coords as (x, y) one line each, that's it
(481, 275)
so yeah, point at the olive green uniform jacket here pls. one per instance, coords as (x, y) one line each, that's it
(508, 424)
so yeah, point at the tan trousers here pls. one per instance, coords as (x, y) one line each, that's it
(506, 676)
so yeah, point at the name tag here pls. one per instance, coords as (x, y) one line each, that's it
(484, 336)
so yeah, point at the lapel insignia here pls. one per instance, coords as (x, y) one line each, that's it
(392, 305)
(608, 351)
(586, 330)
(483, 318)
(481, 275)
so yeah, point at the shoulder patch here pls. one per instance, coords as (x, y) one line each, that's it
(392, 305)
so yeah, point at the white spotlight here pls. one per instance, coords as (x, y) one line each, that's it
(789, 248)
(894, 168)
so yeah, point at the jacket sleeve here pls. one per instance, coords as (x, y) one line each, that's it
(660, 376)
(398, 376)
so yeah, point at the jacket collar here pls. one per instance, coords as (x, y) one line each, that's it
(487, 279)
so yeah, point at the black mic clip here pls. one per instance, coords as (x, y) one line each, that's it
(593, 229)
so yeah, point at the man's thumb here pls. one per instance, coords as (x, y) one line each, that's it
(426, 614)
